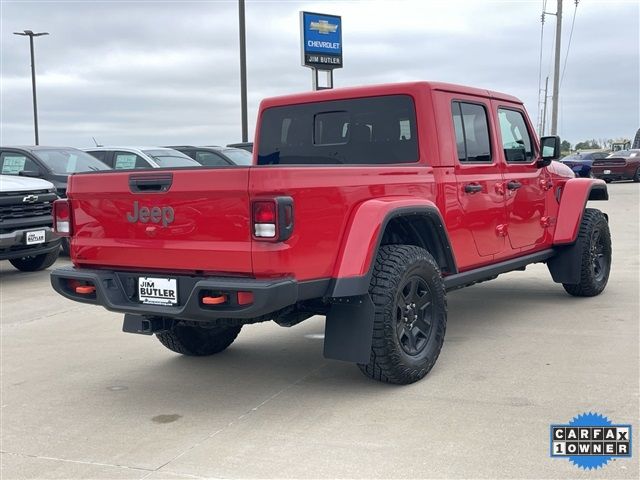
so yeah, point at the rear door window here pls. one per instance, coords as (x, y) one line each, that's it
(209, 159)
(364, 131)
(471, 128)
(100, 155)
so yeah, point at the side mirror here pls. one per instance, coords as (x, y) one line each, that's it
(550, 150)
(30, 173)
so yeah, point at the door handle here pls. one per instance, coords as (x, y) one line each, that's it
(472, 188)
(514, 185)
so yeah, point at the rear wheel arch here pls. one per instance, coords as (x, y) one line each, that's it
(423, 228)
(419, 225)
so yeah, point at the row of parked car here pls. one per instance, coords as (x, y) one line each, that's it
(55, 164)
(620, 165)
(32, 177)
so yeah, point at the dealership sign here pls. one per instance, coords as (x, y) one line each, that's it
(321, 37)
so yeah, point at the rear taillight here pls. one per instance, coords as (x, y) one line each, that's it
(264, 219)
(272, 219)
(62, 217)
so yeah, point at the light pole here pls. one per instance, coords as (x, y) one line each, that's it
(556, 72)
(243, 70)
(30, 34)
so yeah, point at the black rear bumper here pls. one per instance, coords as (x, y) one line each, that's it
(118, 292)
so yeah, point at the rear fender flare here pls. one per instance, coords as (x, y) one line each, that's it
(354, 267)
(575, 194)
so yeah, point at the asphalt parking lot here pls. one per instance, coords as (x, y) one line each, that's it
(81, 399)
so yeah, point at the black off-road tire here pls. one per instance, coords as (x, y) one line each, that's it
(393, 360)
(198, 341)
(33, 264)
(595, 241)
(636, 177)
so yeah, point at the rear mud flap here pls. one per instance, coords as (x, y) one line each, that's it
(349, 329)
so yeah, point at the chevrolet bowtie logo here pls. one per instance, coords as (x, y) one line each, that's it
(30, 199)
(324, 27)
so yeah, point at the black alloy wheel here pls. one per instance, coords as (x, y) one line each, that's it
(599, 260)
(414, 315)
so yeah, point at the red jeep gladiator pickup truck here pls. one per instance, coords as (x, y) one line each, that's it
(365, 205)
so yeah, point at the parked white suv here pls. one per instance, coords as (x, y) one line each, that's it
(26, 236)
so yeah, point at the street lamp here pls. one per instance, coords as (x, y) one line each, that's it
(243, 70)
(30, 34)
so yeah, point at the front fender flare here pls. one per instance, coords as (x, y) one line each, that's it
(575, 194)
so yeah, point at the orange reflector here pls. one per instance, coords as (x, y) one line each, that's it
(214, 300)
(85, 289)
(245, 298)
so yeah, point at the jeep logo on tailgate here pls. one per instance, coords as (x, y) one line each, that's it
(155, 214)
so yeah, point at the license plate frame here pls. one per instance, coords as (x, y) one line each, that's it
(35, 237)
(162, 291)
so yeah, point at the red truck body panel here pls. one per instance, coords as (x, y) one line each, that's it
(210, 232)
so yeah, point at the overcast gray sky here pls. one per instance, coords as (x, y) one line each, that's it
(167, 72)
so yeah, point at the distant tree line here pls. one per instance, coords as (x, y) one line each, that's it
(592, 144)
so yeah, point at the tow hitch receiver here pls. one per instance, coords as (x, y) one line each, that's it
(145, 325)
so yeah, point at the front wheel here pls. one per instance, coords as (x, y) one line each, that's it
(198, 341)
(636, 177)
(38, 262)
(410, 315)
(594, 239)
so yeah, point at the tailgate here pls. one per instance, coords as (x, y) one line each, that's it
(181, 220)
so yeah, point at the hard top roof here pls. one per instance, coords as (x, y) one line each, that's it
(385, 89)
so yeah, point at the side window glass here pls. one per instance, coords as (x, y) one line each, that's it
(128, 161)
(516, 141)
(99, 154)
(457, 126)
(209, 159)
(14, 163)
(471, 128)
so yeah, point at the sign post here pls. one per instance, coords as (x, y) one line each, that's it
(321, 37)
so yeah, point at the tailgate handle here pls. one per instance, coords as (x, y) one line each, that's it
(150, 183)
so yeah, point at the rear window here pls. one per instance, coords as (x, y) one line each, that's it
(374, 130)
(238, 156)
(171, 158)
